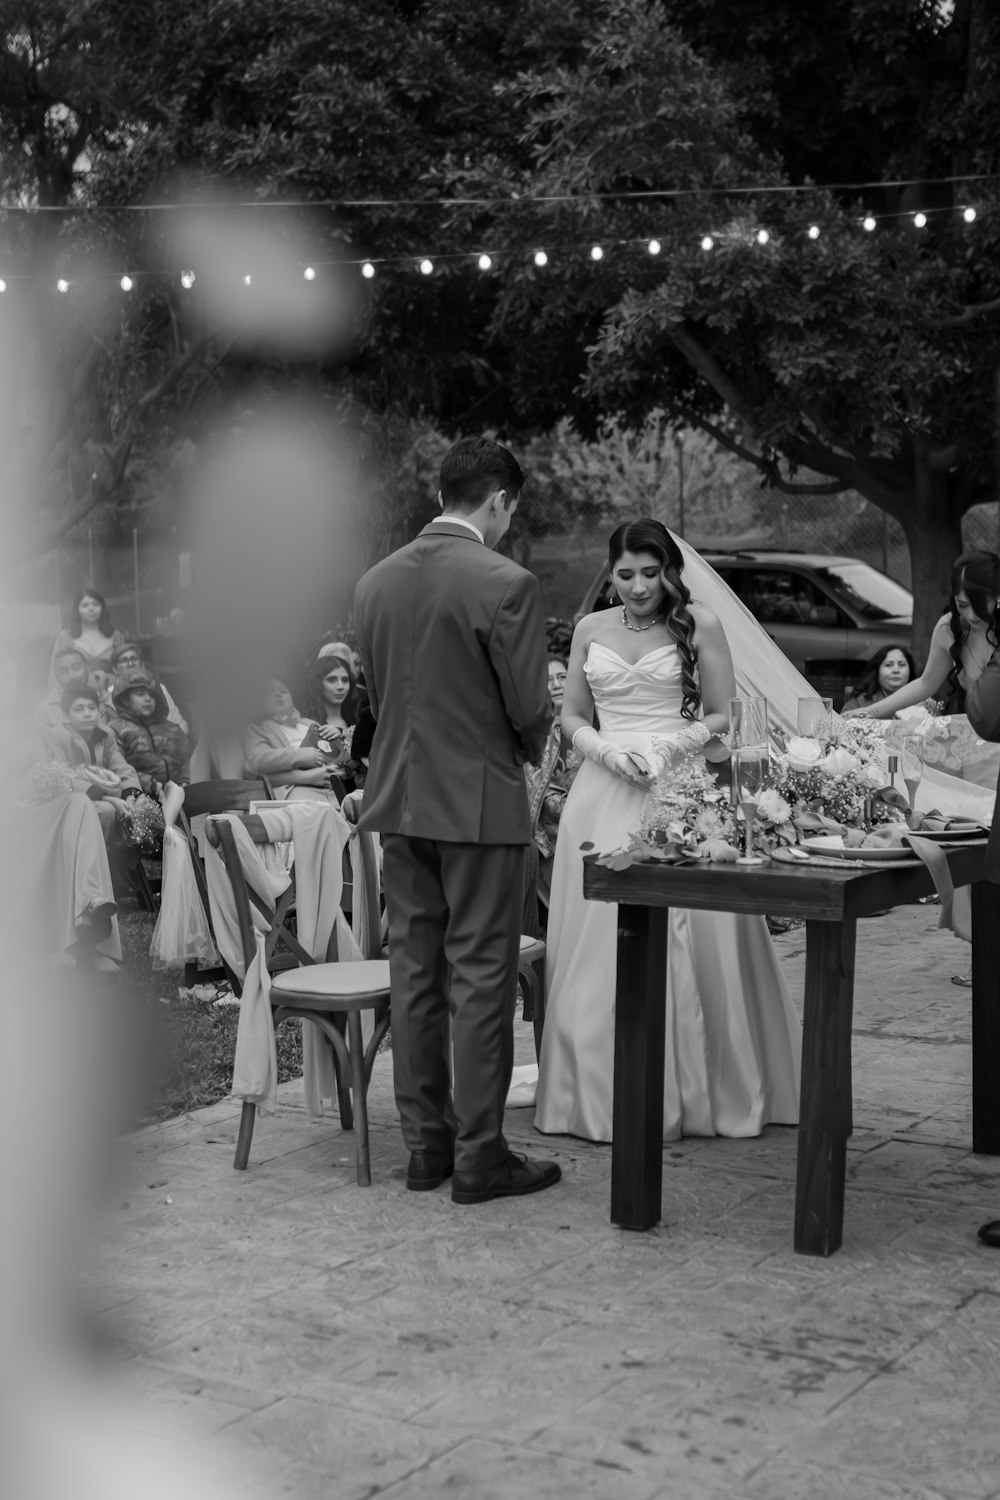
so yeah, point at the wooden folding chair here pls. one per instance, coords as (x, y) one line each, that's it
(201, 798)
(332, 995)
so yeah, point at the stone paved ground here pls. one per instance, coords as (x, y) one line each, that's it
(357, 1342)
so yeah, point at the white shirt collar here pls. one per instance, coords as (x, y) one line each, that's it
(459, 521)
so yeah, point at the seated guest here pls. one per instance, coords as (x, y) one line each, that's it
(294, 753)
(68, 665)
(548, 787)
(91, 630)
(890, 668)
(124, 658)
(157, 750)
(333, 702)
(92, 752)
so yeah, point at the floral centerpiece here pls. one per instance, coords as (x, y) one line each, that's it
(839, 771)
(834, 779)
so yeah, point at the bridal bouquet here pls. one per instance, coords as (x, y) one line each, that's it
(688, 815)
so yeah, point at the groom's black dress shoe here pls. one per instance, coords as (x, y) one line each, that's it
(510, 1178)
(427, 1171)
(990, 1233)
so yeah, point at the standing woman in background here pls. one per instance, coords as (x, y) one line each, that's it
(90, 631)
(962, 643)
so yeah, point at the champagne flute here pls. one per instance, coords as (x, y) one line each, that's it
(749, 771)
(911, 757)
(811, 711)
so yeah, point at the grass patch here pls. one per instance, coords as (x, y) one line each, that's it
(187, 1046)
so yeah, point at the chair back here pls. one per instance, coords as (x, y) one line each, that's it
(282, 949)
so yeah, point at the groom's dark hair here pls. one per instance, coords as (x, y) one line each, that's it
(473, 469)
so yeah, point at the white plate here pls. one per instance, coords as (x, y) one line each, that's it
(952, 835)
(833, 847)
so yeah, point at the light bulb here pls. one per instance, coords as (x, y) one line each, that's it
(653, 247)
(368, 270)
(187, 280)
(426, 267)
(868, 223)
(707, 242)
(484, 262)
(126, 283)
(248, 280)
(62, 286)
(762, 236)
(541, 259)
(3, 285)
(309, 273)
(968, 214)
(596, 252)
(814, 231)
(919, 220)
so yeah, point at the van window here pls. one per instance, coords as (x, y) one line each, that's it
(778, 596)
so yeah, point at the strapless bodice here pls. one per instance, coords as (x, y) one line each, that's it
(635, 700)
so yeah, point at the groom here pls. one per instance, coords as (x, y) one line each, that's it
(452, 640)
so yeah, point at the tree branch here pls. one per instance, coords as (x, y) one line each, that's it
(967, 315)
(723, 438)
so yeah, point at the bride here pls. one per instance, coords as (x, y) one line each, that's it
(659, 666)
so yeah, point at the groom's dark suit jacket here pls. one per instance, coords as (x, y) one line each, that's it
(452, 638)
(982, 704)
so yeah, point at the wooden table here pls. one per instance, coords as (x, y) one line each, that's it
(830, 900)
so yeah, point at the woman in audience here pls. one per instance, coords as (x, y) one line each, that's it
(890, 668)
(90, 630)
(548, 785)
(294, 753)
(333, 703)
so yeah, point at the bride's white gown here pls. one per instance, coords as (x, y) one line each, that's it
(733, 1039)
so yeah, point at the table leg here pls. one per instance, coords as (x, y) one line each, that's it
(640, 1019)
(825, 1107)
(986, 1018)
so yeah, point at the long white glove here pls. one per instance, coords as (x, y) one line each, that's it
(668, 749)
(628, 764)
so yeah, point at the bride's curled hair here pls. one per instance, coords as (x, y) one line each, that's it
(653, 537)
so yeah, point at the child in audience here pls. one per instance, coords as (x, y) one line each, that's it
(127, 656)
(68, 665)
(157, 750)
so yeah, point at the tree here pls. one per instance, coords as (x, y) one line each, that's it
(867, 358)
(112, 105)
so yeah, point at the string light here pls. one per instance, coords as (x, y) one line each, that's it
(486, 261)
(3, 285)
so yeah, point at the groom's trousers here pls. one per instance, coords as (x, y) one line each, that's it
(454, 936)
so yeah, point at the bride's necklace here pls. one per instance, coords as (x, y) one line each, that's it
(638, 628)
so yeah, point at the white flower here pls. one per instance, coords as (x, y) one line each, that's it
(839, 762)
(709, 824)
(772, 807)
(803, 754)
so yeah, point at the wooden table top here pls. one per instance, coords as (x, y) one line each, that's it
(816, 893)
